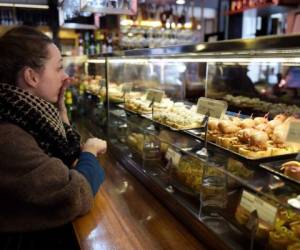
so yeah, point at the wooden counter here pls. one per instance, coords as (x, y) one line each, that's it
(127, 216)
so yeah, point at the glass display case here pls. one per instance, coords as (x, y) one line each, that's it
(88, 84)
(204, 127)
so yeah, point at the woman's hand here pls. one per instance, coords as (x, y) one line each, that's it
(61, 106)
(95, 146)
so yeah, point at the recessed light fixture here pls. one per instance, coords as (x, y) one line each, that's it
(180, 1)
(31, 6)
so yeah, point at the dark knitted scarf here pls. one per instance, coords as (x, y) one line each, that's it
(41, 119)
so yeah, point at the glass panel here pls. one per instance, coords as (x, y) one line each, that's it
(153, 134)
(257, 88)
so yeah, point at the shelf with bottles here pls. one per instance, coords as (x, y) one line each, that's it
(18, 16)
(44, 29)
(159, 25)
(147, 37)
(92, 43)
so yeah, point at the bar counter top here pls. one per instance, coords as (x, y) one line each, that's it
(127, 216)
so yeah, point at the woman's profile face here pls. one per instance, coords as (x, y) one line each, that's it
(52, 77)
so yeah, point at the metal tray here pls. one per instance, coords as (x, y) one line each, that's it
(149, 117)
(197, 132)
(242, 157)
(274, 168)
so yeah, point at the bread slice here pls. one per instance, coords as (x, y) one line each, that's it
(226, 141)
(236, 147)
(281, 150)
(255, 154)
(211, 136)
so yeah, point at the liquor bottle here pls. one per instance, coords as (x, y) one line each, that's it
(104, 48)
(4, 17)
(109, 44)
(92, 47)
(86, 43)
(98, 47)
(10, 17)
(80, 46)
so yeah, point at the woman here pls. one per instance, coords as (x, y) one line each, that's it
(45, 180)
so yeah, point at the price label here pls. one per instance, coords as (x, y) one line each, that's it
(174, 156)
(155, 95)
(216, 108)
(265, 211)
(294, 132)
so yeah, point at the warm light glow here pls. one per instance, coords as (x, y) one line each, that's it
(49, 34)
(156, 24)
(204, 60)
(180, 1)
(200, 47)
(31, 6)
(96, 61)
(126, 22)
(188, 25)
(148, 23)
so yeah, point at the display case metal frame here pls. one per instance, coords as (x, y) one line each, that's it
(269, 47)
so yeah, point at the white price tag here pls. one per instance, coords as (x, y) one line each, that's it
(216, 108)
(266, 211)
(155, 95)
(83, 3)
(294, 132)
(175, 156)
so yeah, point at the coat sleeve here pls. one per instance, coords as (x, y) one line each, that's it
(39, 191)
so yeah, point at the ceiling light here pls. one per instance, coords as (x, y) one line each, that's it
(31, 6)
(180, 1)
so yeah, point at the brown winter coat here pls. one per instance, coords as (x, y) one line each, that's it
(36, 191)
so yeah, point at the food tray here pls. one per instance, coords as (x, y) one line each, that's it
(239, 156)
(275, 166)
(197, 132)
(181, 128)
(149, 116)
(260, 159)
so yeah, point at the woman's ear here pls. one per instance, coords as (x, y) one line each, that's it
(31, 77)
